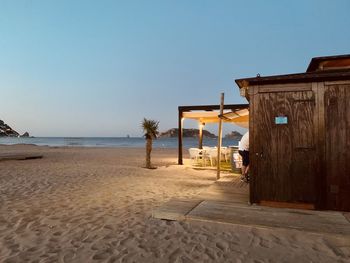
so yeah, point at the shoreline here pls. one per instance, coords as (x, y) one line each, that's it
(115, 142)
(80, 146)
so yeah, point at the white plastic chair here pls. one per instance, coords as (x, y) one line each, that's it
(212, 154)
(195, 155)
(225, 153)
(205, 154)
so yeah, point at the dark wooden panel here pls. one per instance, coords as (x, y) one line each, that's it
(304, 156)
(288, 205)
(266, 151)
(286, 152)
(253, 107)
(337, 123)
(320, 170)
(282, 142)
(286, 88)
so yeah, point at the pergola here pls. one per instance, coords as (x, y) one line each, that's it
(237, 114)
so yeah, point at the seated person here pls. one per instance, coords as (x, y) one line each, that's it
(243, 150)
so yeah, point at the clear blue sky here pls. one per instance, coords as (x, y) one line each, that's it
(96, 68)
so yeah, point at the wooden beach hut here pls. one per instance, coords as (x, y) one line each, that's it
(300, 136)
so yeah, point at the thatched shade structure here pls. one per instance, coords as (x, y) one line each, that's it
(237, 114)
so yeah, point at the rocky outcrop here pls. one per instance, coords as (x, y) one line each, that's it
(7, 131)
(26, 134)
(194, 133)
(234, 135)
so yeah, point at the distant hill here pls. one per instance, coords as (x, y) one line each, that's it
(7, 131)
(194, 133)
(234, 135)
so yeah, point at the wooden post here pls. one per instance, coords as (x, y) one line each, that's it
(220, 137)
(320, 132)
(180, 161)
(200, 143)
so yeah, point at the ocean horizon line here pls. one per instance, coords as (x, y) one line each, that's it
(132, 142)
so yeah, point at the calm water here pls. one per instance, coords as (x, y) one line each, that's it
(112, 142)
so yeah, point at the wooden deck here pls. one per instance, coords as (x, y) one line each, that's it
(226, 201)
(226, 189)
(19, 156)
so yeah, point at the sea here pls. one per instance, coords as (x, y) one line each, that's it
(129, 142)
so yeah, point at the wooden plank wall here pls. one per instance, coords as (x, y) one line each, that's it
(320, 181)
(308, 160)
(253, 107)
(304, 153)
(283, 156)
(337, 135)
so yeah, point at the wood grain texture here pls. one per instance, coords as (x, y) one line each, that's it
(253, 107)
(258, 216)
(287, 205)
(285, 87)
(285, 155)
(230, 190)
(321, 182)
(337, 135)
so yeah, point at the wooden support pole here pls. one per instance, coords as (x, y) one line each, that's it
(220, 137)
(200, 142)
(180, 161)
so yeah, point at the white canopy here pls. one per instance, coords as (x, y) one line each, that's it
(239, 117)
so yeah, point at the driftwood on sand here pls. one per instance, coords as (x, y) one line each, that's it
(19, 156)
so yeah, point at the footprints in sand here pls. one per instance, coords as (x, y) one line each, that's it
(95, 206)
(223, 246)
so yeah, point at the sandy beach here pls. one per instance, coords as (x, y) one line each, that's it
(95, 205)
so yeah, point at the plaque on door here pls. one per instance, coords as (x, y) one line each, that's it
(281, 120)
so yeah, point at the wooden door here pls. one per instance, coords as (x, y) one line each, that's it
(337, 135)
(284, 161)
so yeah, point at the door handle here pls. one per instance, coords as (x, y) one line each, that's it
(259, 154)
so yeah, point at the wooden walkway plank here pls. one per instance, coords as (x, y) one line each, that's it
(175, 209)
(226, 189)
(232, 190)
(226, 201)
(257, 216)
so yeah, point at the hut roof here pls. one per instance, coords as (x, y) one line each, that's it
(320, 69)
(329, 63)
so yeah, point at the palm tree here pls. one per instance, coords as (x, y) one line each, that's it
(150, 128)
